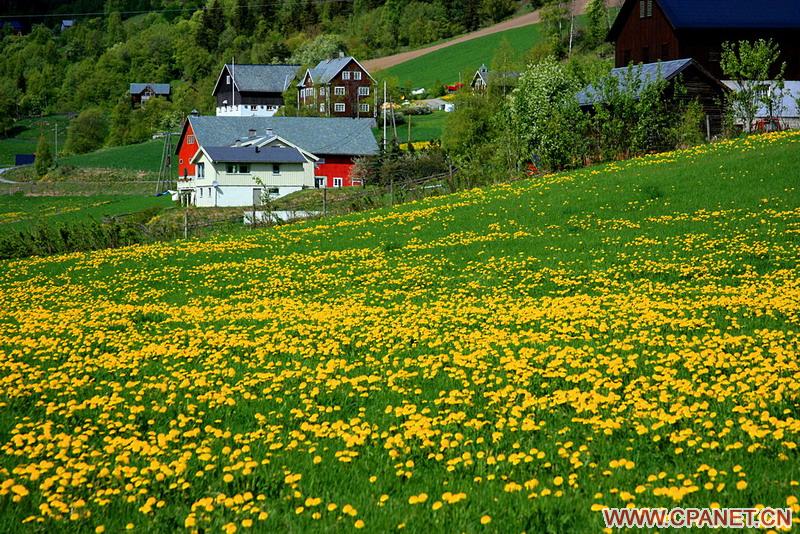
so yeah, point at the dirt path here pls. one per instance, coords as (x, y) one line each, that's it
(578, 6)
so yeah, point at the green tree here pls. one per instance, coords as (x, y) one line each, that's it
(44, 157)
(557, 27)
(503, 67)
(496, 10)
(241, 20)
(323, 46)
(115, 31)
(597, 25)
(752, 66)
(87, 131)
(9, 95)
(212, 24)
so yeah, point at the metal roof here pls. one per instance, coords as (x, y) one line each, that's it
(227, 154)
(773, 14)
(263, 78)
(320, 136)
(786, 106)
(158, 88)
(645, 74)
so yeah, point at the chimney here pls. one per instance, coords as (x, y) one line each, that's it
(258, 149)
(251, 132)
(341, 54)
(195, 113)
(270, 133)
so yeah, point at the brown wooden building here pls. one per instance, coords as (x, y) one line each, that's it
(142, 92)
(252, 90)
(339, 87)
(647, 31)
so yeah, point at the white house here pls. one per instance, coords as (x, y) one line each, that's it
(787, 103)
(242, 175)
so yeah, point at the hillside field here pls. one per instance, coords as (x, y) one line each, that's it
(444, 66)
(24, 137)
(507, 359)
(139, 157)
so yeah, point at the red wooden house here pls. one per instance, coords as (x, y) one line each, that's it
(339, 87)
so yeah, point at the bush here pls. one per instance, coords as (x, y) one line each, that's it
(87, 132)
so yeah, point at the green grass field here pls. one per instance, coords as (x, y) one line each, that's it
(25, 136)
(446, 65)
(140, 157)
(18, 212)
(423, 128)
(505, 359)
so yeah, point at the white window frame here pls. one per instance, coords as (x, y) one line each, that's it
(363, 90)
(339, 107)
(189, 139)
(345, 75)
(337, 182)
(357, 75)
(364, 108)
(201, 171)
(322, 108)
(339, 90)
(228, 80)
(323, 182)
(321, 91)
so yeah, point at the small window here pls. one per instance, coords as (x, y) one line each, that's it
(363, 91)
(230, 168)
(356, 74)
(322, 91)
(180, 161)
(200, 192)
(253, 108)
(345, 74)
(244, 169)
(364, 107)
(319, 182)
(339, 90)
(274, 191)
(190, 140)
(276, 169)
(227, 80)
(645, 9)
(339, 108)
(337, 182)
(322, 108)
(201, 170)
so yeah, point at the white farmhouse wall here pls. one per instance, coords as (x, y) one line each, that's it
(247, 111)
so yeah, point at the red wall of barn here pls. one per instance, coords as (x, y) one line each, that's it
(335, 167)
(186, 152)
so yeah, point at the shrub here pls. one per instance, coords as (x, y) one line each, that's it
(87, 132)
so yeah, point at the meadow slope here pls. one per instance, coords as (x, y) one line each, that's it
(505, 359)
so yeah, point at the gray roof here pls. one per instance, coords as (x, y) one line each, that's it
(263, 78)
(327, 69)
(227, 154)
(158, 88)
(786, 102)
(644, 74)
(320, 136)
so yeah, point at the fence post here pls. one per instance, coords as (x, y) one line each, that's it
(391, 192)
(325, 201)
(186, 222)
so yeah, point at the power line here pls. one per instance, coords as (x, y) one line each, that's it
(143, 11)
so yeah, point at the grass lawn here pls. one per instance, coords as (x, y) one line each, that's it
(140, 157)
(18, 212)
(505, 359)
(444, 66)
(423, 128)
(24, 137)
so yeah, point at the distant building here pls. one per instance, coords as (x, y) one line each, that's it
(339, 87)
(252, 90)
(646, 31)
(142, 92)
(483, 78)
(786, 109)
(699, 83)
(328, 147)
(67, 24)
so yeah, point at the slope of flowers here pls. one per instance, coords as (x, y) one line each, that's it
(507, 359)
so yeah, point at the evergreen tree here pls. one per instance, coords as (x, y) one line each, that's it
(44, 158)
(241, 17)
(212, 24)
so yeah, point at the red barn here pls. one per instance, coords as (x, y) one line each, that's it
(336, 142)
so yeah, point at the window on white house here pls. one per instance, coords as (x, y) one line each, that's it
(345, 74)
(189, 139)
(356, 74)
(276, 169)
(364, 107)
(200, 192)
(237, 168)
(339, 90)
(337, 182)
(274, 191)
(363, 91)
(339, 108)
(201, 170)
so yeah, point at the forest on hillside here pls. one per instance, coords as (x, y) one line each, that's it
(185, 42)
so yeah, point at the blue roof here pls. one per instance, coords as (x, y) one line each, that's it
(263, 78)
(317, 135)
(158, 88)
(772, 14)
(226, 154)
(644, 75)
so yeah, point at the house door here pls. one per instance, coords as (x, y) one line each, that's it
(257, 196)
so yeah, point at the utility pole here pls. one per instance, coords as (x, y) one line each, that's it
(55, 154)
(325, 200)
(409, 128)
(384, 116)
